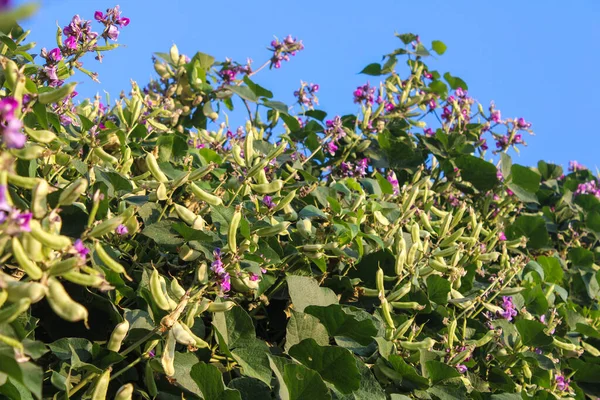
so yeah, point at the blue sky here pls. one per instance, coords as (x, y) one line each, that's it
(535, 59)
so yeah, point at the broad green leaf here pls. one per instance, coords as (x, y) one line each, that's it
(258, 90)
(480, 173)
(532, 333)
(372, 69)
(304, 326)
(339, 323)
(533, 227)
(438, 46)
(552, 269)
(305, 291)
(183, 366)
(304, 383)
(250, 388)
(334, 364)
(439, 371)
(251, 355)
(369, 389)
(408, 375)
(210, 382)
(438, 289)
(235, 326)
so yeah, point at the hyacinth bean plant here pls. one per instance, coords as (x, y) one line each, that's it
(148, 249)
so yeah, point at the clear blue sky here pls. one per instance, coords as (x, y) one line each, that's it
(535, 59)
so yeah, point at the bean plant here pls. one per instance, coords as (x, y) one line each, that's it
(150, 249)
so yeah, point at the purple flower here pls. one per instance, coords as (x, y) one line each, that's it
(282, 50)
(521, 123)
(112, 32)
(54, 55)
(461, 368)
(12, 136)
(121, 230)
(502, 237)
(391, 177)
(71, 43)
(22, 220)
(332, 148)
(253, 277)
(364, 93)
(361, 167)
(222, 277)
(80, 249)
(575, 166)
(429, 132)
(561, 382)
(99, 16)
(496, 116)
(588, 188)
(509, 308)
(268, 201)
(460, 92)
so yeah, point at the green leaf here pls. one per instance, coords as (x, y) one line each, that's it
(162, 233)
(26, 373)
(553, 271)
(449, 392)
(170, 147)
(304, 326)
(524, 182)
(439, 371)
(235, 326)
(250, 388)
(372, 69)
(311, 211)
(258, 90)
(438, 289)
(183, 365)
(210, 382)
(369, 388)
(252, 357)
(532, 333)
(303, 383)
(480, 173)
(384, 184)
(581, 257)
(409, 376)
(305, 291)
(533, 227)
(291, 122)
(455, 82)
(438, 46)
(339, 323)
(334, 364)
(244, 92)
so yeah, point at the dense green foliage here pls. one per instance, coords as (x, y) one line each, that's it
(302, 256)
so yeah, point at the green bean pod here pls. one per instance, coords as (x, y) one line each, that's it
(425, 344)
(285, 201)
(104, 156)
(249, 147)
(105, 227)
(55, 95)
(267, 188)
(236, 152)
(125, 392)
(22, 181)
(101, 386)
(12, 312)
(177, 289)
(84, 279)
(63, 305)
(273, 230)
(30, 267)
(205, 196)
(117, 336)
(182, 336)
(154, 169)
(159, 297)
(39, 204)
(108, 261)
(232, 230)
(149, 380)
(199, 342)
(201, 172)
(407, 305)
(168, 356)
(220, 307)
(55, 242)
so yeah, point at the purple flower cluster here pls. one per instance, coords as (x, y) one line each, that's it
(504, 141)
(391, 177)
(335, 130)
(588, 188)
(509, 308)
(12, 220)
(575, 166)
(268, 201)
(112, 20)
(121, 230)
(53, 57)
(230, 70)
(364, 93)
(282, 50)
(222, 276)
(459, 103)
(359, 169)
(562, 383)
(80, 249)
(10, 125)
(78, 32)
(306, 94)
